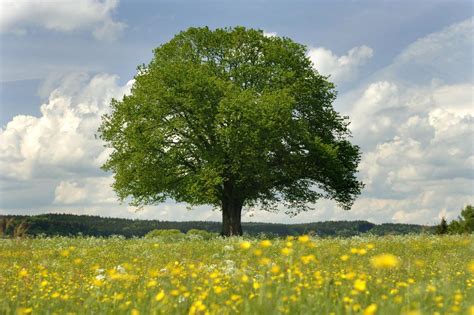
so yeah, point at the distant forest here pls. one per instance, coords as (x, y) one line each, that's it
(71, 225)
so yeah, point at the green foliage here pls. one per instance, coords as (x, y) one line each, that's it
(201, 234)
(166, 234)
(400, 229)
(455, 228)
(231, 118)
(442, 228)
(86, 225)
(464, 223)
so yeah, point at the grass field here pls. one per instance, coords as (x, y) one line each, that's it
(370, 275)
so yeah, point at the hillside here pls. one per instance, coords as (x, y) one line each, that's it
(68, 224)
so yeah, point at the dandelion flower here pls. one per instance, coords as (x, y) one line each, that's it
(371, 309)
(303, 239)
(470, 267)
(360, 285)
(385, 261)
(160, 296)
(24, 310)
(23, 273)
(245, 245)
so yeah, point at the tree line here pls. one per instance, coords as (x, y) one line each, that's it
(73, 225)
(463, 224)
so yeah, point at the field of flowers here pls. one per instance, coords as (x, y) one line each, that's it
(304, 275)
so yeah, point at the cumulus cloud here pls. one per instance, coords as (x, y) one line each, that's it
(340, 68)
(61, 141)
(19, 16)
(417, 134)
(68, 192)
(85, 191)
(414, 134)
(57, 153)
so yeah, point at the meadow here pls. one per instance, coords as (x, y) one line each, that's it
(422, 274)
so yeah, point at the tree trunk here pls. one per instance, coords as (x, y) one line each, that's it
(231, 212)
(231, 221)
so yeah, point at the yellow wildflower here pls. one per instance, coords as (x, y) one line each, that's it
(24, 310)
(303, 239)
(77, 261)
(430, 288)
(307, 259)
(245, 245)
(371, 309)
(265, 261)
(275, 269)
(23, 273)
(470, 267)
(360, 285)
(385, 261)
(160, 296)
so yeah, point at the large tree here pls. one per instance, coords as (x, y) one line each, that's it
(231, 118)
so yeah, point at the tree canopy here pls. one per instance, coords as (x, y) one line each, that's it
(231, 118)
(464, 223)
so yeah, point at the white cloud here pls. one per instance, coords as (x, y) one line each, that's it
(418, 144)
(340, 68)
(85, 191)
(18, 16)
(269, 34)
(430, 48)
(414, 121)
(410, 144)
(54, 159)
(61, 141)
(68, 192)
(443, 57)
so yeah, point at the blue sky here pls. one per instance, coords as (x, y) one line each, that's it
(403, 69)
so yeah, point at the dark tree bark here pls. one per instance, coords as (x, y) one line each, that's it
(231, 220)
(231, 212)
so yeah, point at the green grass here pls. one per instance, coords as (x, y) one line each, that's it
(424, 275)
